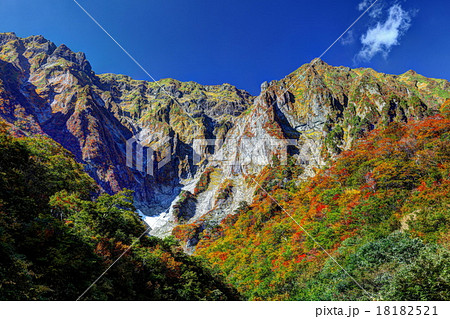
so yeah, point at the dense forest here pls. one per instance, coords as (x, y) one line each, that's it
(58, 235)
(380, 210)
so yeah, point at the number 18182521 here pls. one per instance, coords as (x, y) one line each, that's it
(406, 311)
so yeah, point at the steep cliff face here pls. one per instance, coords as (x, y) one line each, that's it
(392, 186)
(324, 108)
(51, 90)
(310, 116)
(206, 141)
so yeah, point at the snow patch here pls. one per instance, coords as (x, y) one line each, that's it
(155, 221)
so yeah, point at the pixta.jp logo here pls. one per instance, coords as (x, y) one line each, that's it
(146, 153)
(142, 150)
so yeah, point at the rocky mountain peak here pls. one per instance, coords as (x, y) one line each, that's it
(39, 44)
(411, 73)
(319, 63)
(78, 58)
(6, 37)
(264, 86)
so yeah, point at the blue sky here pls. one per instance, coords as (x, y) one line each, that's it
(242, 42)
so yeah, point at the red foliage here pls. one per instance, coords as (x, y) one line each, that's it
(300, 258)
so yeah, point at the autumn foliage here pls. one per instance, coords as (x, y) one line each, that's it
(391, 188)
(58, 234)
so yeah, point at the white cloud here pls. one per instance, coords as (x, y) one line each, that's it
(349, 38)
(383, 36)
(363, 5)
(375, 11)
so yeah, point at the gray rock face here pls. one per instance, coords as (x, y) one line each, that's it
(53, 91)
(264, 86)
(7, 37)
(311, 115)
(63, 52)
(184, 130)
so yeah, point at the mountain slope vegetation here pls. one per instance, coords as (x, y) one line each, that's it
(58, 235)
(381, 210)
